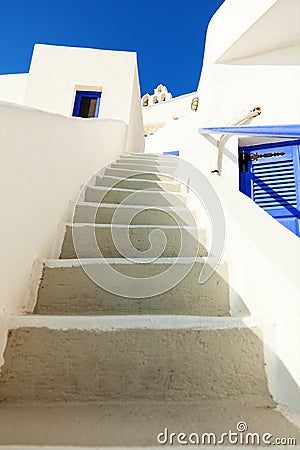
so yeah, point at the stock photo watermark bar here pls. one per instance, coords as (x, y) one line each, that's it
(239, 436)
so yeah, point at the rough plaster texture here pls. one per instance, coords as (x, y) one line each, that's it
(128, 197)
(119, 172)
(130, 365)
(133, 183)
(68, 290)
(169, 170)
(148, 161)
(154, 241)
(103, 213)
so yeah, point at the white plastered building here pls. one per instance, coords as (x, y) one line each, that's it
(78, 110)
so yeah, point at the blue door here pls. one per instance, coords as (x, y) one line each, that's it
(269, 174)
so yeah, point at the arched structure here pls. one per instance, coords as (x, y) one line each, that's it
(160, 94)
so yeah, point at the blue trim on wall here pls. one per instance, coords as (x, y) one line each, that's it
(88, 94)
(174, 153)
(284, 131)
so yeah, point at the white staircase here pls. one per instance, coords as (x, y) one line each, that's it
(91, 368)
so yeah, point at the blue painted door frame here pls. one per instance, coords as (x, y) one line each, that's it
(86, 94)
(273, 181)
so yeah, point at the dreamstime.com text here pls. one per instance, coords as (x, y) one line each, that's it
(239, 436)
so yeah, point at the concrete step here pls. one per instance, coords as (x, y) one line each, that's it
(135, 214)
(151, 155)
(149, 161)
(154, 156)
(81, 359)
(100, 194)
(169, 170)
(138, 184)
(124, 173)
(132, 241)
(65, 288)
(136, 425)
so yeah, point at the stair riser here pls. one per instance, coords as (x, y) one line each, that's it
(192, 243)
(139, 174)
(68, 290)
(137, 184)
(103, 215)
(134, 198)
(144, 168)
(133, 364)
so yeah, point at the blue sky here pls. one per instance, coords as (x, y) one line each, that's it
(168, 35)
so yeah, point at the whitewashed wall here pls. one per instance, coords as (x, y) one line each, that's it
(13, 87)
(263, 259)
(45, 158)
(135, 136)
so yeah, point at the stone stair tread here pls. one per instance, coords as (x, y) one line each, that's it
(97, 240)
(158, 197)
(79, 362)
(112, 177)
(137, 183)
(148, 161)
(88, 212)
(149, 175)
(155, 191)
(66, 288)
(145, 168)
(133, 425)
(133, 170)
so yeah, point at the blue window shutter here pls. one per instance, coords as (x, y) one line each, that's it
(273, 182)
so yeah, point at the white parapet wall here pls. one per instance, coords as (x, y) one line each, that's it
(13, 87)
(263, 259)
(45, 158)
